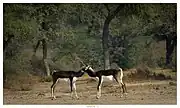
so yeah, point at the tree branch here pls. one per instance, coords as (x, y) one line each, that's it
(6, 42)
(113, 14)
(36, 47)
(107, 7)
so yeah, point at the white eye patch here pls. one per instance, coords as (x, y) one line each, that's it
(86, 67)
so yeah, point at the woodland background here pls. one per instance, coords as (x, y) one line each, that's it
(101, 35)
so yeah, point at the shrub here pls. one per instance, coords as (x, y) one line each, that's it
(46, 79)
(20, 81)
(141, 72)
(16, 72)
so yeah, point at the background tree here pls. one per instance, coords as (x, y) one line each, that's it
(110, 16)
(100, 34)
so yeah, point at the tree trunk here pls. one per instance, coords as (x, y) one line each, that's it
(46, 67)
(36, 47)
(5, 44)
(45, 57)
(170, 44)
(105, 45)
(167, 54)
(106, 35)
(44, 44)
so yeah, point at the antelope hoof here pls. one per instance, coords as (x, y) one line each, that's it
(72, 95)
(54, 97)
(77, 97)
(125, 93)
(121, 96)
(97, 97)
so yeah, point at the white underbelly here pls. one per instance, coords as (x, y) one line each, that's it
(63, 79)
(66, 79)
(108, 78)
(105, 78)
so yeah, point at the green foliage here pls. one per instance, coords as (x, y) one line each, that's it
(77, 29)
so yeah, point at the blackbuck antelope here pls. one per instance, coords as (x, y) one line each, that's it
(116, 74)
(71, 75)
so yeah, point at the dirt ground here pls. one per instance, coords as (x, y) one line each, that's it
(139, 92)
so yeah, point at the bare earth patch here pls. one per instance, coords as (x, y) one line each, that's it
(140, 92)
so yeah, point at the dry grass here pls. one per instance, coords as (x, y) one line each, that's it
(168, 73)
(22, 82)
(46, 79)
(145, 73)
